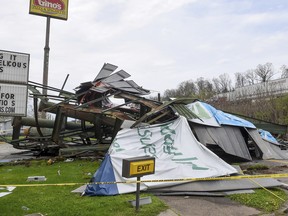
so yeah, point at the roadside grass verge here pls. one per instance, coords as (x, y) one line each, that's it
(257, 167)
(58, 200)
(262, 199)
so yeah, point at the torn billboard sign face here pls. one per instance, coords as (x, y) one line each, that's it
(177, 155)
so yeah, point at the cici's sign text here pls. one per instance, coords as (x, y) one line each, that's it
(52, 8)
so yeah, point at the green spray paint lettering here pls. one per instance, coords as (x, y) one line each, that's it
(149, 149)
(145, 140)
(188, 161)
(166, 129)
(168, 140)
(146, 133)
(168, 143)
(116, 146)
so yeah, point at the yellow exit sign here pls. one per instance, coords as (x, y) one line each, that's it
(138, 166)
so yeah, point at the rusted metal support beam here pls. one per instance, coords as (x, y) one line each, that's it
(16, 128)
(158, 117)
(116, 127)
(43, 123)
(59, 125)
(88, 114)
(98, 129)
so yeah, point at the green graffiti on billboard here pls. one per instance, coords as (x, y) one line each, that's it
(116, 146)
(168, 136)
(188, 161)
(146, 141)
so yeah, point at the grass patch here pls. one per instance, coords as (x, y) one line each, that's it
(58, 200)
(257, 167)
(262, 199)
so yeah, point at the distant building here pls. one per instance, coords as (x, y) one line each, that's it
(265, 89)
(6, 127)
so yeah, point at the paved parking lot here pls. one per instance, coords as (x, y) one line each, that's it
(9, 153)
(222, 206)
(208, 206)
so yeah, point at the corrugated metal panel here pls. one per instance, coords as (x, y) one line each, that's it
(184, 111)
(140, 89)
(106, 70)
(202, 134)
(101, 89)
(223, 185)
(132, 90)
(228, 138)
(283, 153)
(120, 84)
(120, 75)
(268, 150)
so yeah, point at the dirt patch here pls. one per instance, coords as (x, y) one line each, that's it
(263, 167)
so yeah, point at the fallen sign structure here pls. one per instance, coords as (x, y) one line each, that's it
(135, 126)
(97, 118)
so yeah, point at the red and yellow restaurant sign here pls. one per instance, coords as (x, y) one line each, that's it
(51, 8)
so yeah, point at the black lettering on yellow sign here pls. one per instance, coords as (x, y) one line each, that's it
(138, 166)
(143, 168)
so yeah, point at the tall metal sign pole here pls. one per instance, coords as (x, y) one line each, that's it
(51, 9)
(46, 62)
(46, 57)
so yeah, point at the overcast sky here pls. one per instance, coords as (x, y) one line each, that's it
(161, 43)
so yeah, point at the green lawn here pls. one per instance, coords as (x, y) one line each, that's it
(58, 200)
(268, 201)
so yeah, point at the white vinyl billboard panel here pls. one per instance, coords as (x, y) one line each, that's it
(14, 67)
(13, 100)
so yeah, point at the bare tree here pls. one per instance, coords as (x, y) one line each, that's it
(240, 80)
(168, 93)
(264, 72)
(187, 89)
(250, 77)
(216, 85)
(205, 88)
(209, 87)
(225, 83)
(200, 83)
(284, 71)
